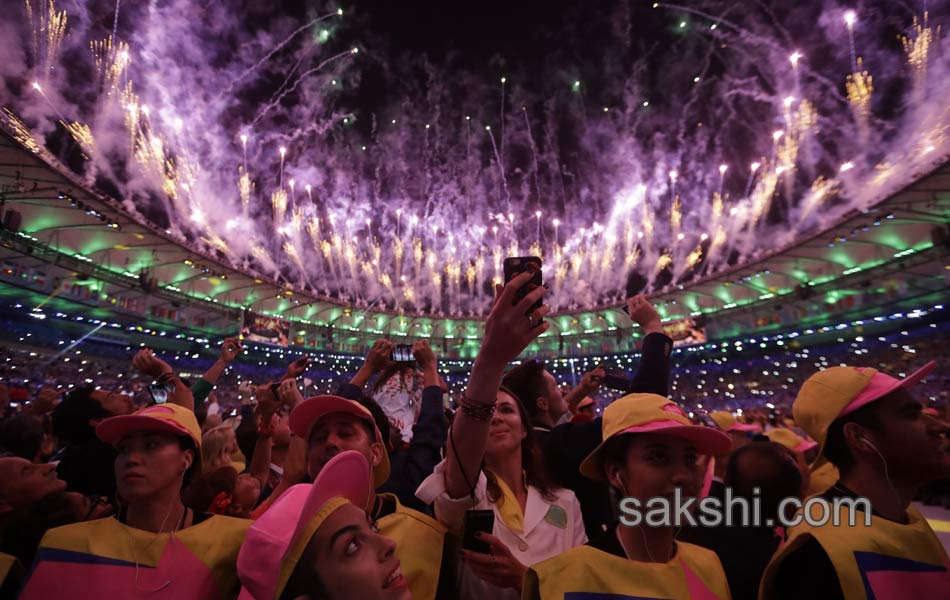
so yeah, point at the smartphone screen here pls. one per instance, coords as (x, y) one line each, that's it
(402, 353)
(159, 393)
(519, 264)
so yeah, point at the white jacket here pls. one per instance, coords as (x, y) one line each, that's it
(546, 532)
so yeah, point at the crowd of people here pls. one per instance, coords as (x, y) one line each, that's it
(156, 479)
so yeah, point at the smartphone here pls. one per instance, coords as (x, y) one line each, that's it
(515, 265)
(160, 393)
(477, 520)
(615, 379)
(402, 353)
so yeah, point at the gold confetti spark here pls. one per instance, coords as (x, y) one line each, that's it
(676, 214)
(918, 50)
(21, 132)
(111, 59)
(244, 188)
(860, 87)
(83, 136)
(279, 201)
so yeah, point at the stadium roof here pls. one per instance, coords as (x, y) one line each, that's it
(75, 233)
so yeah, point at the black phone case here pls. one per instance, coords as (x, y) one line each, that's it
(515, 265)
(477, 520)
(616, 381)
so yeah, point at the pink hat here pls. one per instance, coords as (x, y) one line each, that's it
(587, 401)
(277, 540)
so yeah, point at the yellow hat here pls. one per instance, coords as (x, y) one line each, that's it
(651, 413)
(162, 418)
(833, 393)
(790, 440)
(728, 422)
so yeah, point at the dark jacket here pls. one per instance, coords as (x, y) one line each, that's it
(409, 467)
(566, 446)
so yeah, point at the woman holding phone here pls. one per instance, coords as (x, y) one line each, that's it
(493, 464)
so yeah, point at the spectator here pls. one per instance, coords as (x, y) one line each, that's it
(650, 449)
(85, 463)
(217, 446)
(494, 463)
(185, 553)
(874, 431)
(294, 550)
(28, 436)
(762, 472)
(409, 464)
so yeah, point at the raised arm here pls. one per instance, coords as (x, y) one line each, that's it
(653, 372)
(260, 460)
(508, 331)
(589, 384)
(376, 360)
(296, 368)
(149, 364)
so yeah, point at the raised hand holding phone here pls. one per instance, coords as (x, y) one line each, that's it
(520, 264)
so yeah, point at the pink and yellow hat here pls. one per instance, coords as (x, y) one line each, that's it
(839, 391)
(276, 542)
(791, 440)
(306, 414)
(728, 422)
(160, 418)
(651, 413)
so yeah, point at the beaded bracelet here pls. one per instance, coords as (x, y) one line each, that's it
(476, 410)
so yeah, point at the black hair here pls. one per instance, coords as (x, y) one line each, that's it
(777, 476)
(22, 435)
(615, 452)
(186, 443)
(71, 417)
(836, 445)
(379, 417)
(526, 383)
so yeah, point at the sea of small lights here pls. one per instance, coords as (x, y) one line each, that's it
(702, 374)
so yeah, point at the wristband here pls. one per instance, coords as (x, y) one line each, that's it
(475, 410)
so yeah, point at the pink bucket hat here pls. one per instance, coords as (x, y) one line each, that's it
(277, 540)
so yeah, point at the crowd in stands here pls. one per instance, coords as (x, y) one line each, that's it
(157, 475)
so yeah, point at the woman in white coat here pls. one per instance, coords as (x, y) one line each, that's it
(493, 462)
